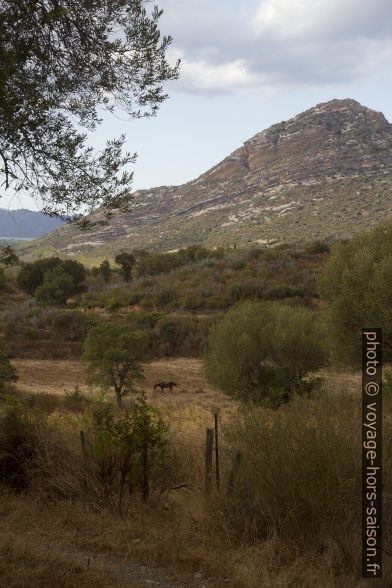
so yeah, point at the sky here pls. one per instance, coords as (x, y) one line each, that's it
(247, 64)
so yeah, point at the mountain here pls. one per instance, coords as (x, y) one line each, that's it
(324, 174)
(26, 224)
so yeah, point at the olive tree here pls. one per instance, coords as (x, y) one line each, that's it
(62, 64)
(356, 282)
(261, 351)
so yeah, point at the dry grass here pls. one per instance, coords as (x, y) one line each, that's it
(73, 541)
(54, 376)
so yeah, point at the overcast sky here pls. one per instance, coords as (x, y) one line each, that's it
(247, 64)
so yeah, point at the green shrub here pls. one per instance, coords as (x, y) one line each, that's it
(356, 283)
(58, 286)
(135, 298)
(219, 302)
(144, 320)
(317, 247)
(31, 333)
(165, 297)
(238, 264)
(8, 374)
(260, 349)
(112, 304)
(192, 302)
(281, 291)
(243, 291)
(73, 325)
(50, 272)
(18, 445)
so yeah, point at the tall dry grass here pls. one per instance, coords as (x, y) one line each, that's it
(288, 512)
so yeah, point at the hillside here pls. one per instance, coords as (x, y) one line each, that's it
(26, 224)
(324, 174)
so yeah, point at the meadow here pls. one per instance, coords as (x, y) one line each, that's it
(75, 511)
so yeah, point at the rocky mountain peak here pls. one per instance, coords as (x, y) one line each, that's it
(326, 128)
(324, 173)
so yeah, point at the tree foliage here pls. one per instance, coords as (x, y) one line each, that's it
(105, 270)
(114, 355)
(62, 62)
(8, 257)
(52, 279)
(357, 283)
(58, 286)
(8, 374)
(261, 351)
(126, 261)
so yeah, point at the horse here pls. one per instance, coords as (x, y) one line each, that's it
(163, 385)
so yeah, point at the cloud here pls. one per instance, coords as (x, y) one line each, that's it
(202, 75)
(226, 45)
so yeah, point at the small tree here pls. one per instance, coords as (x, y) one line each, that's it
(105, 271)
(126, 261)
(8, 257)
(357, 284)
(31, 275)
(114, 355)
(38, 273)
(261, 351)
(57, 287)
(8, 374)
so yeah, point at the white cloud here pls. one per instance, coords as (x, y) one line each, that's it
(201, 75)
(227, 46)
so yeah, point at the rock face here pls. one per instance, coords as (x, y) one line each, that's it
(325, 173)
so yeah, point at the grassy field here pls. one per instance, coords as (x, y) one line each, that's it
(55, 376)
(178, 539)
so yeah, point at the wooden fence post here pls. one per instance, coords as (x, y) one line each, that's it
(216, 451)
(208, 460)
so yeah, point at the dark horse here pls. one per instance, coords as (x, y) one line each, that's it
(163, 385)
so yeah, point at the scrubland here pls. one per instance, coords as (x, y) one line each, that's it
(287, 512)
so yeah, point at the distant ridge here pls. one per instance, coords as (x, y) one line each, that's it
(26, 224)
(324, 174)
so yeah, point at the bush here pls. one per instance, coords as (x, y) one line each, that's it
(31, 333)
(58, 286)
(112, 304)
(263, 350)
(317, 247)
(219, 302)
(8, 374)
(286, 480)
(135, 298)
(144, 320)
(192, 302)
(18, 444)
(31, 275)
(165, 297)
(73, 325)
(281, 291)
(125, 449)
(243, 291)
(34, 275)
(356, 282)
